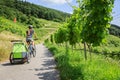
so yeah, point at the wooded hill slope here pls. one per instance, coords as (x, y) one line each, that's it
(24, 12)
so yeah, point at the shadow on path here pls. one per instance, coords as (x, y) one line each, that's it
(9, 64)
(48, 70)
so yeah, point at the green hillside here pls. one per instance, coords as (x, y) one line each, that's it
(9, 30)
(109, 49)
(24, 10)
(25, 14)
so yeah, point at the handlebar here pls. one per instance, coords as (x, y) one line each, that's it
(16, 41)
(36, 39)
(21, 40)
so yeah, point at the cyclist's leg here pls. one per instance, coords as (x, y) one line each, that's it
(33, 44)
(33, 48)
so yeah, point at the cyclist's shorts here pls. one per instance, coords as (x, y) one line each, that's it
(29, 39)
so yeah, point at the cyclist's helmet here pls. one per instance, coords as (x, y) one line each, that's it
(30, 26)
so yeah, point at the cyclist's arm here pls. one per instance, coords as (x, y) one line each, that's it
(35, 35)
(27, 33)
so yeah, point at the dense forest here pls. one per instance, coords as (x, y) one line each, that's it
(115, 30)
(27, 13)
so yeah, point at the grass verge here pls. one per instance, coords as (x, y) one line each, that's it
(72, 65)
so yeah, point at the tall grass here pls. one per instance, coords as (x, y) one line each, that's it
(72, 65)
(6, 45)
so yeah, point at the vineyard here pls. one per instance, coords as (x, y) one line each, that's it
(83, 46)
(73, 66)
(84, 27)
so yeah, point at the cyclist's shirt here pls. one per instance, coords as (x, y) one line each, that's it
(31, 33)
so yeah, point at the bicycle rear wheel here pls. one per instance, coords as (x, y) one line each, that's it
(28, 57)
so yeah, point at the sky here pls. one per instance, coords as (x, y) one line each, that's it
(116, 13)
(63, 5)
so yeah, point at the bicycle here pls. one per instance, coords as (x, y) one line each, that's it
(31, 48)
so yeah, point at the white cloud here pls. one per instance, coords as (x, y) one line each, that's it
(57, 1)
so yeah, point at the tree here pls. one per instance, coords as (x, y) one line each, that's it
(97, 16)
(74, 30)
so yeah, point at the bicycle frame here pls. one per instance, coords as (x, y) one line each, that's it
(31, 49)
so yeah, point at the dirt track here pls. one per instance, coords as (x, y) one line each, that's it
(42, 67)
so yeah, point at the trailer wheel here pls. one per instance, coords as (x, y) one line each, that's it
(11, 58)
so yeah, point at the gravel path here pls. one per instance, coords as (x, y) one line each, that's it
(42, 67)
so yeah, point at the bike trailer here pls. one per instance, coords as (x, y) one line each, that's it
(19, 52)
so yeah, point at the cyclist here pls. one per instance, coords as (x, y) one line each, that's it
(29, 35)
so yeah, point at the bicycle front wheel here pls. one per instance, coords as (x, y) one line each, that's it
(34, 51)
(28, 57)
